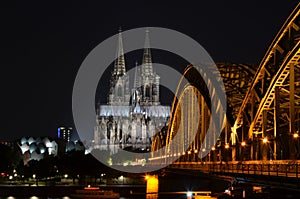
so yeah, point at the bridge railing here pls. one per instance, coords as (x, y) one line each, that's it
(268, 168)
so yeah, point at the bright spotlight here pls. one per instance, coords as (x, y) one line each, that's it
(189, 194)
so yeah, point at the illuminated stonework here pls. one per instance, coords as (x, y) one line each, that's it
(131, 117)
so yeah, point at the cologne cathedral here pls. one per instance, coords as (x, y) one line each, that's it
(131, 117)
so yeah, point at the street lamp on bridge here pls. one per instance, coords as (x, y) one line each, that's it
(227, 146)
(242, 150)
(296, 136)
(265, 140)
(212, 154)
(268, 149)
(243, 143)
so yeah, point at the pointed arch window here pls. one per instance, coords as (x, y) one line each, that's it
(147, 91)
(119, 91)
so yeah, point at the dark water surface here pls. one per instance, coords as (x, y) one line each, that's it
(172, 182)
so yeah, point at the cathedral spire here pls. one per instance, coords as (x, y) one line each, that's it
(135, 83)
(119, 68)
(147, 60)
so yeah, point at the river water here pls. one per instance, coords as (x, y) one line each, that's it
(168, 187)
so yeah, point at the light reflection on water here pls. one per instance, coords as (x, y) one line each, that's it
(146, 196)
(35, 197)
(152, 196)
(65, 197)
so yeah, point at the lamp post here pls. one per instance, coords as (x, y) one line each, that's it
(204, 159)
(195, 155)
(189, 155)
(34, 177)
(122, 179)
(243, 145)
(213, 153)
(102, 178)
(296, 136)
(265, 147)
(226, 153)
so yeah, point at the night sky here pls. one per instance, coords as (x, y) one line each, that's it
(44, 44)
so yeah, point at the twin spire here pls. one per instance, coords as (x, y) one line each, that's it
(147, 60)
(146, 81)
(119, 67)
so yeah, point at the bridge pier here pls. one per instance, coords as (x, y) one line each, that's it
(152, 186)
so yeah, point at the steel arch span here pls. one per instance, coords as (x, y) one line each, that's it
(191, 117)
(270, 111)
(194, 104)
(263, 107)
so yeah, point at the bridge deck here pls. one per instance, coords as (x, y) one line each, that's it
(283, 168)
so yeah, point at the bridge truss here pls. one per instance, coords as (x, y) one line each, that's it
(268, 118)
(189, 119)
(263, 107)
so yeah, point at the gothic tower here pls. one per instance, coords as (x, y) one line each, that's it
(130, 124)
(119, 93)
(148, 83)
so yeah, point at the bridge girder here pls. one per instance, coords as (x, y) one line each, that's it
(237, 79)
(272, 72)
(265, 101)
(191, 112)
(271, 105)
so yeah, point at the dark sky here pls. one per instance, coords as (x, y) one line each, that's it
(44, 45)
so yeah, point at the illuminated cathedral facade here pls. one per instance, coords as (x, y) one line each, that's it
(131, 117)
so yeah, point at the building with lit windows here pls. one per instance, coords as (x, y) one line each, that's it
(10, 144)
(65, 133)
